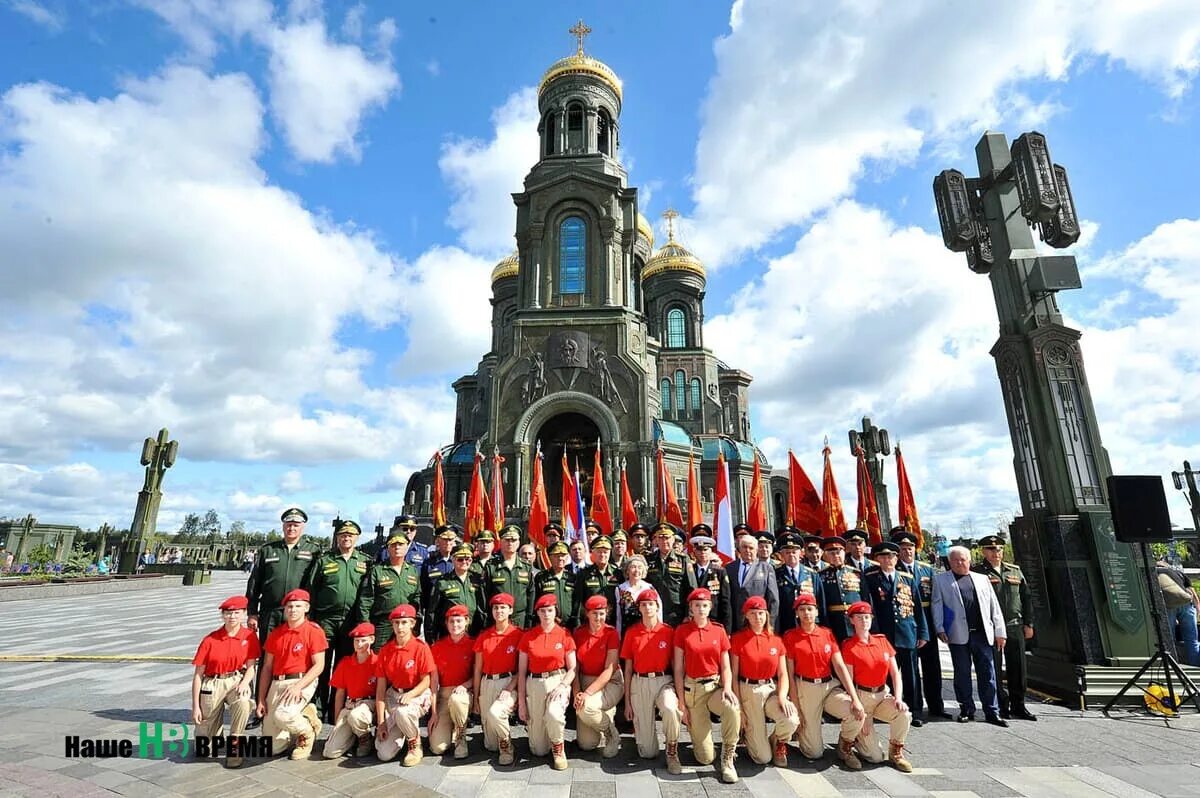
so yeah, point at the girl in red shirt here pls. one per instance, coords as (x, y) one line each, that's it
(646, 651)
(545, 672)
(759, 667)
(453, 660)
(871, 661)
(495, 677)
(224, 675)
(599, 685)
(354, 681)
(704, 678)
(402, 695)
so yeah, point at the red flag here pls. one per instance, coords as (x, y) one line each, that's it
(539, 509)
(867, 516)
(908, 505)
(804, 503)
(496, 504)
(835, 519)
(693, 497)
(439, 492)
(475, 500)
(668, 507)
(722, 512)
(628, 511)
(756, 513)
(601, 512)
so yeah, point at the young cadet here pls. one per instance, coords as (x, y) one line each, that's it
(599, 684)
(453, 659)
(646, 653)
(353, 682)
(871, 661)
(402, 695)
(387, 586)
(509, 574)
(759, 665)
(705, 680)
(495, 677)
(545, 673)
(295, 657)
(224, 676)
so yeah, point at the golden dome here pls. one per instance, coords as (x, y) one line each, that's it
(645, 230)
(507, 267)
(673, 256)
(580, 64)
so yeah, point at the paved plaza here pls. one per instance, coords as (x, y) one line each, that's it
(1066, 753)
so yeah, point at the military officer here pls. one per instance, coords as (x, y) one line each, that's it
(929, 686)
(279, 568)
(601, 578)
(812, 552)
(620, 548)
(555, 581)
(638, 535)
(703, 572)
(456, 587)
(897, 615)
(1016, 603)
(333, 582)
(388, 586)
(794, 578)
(418, 552)
(664, 571)
(841, 586)
(553, 533)
(856, 550)
(766, 548)
(485, 548)
(445, 538)
(508, 573)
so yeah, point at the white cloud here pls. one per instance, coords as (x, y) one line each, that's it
(292, 481)
(53, 20)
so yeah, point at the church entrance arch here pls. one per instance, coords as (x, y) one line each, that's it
(575, 435)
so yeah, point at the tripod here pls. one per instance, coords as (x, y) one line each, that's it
(1161, 657)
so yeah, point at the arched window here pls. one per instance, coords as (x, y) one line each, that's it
(680, 393)
(572, 256)
(695, 398)
(676, 332)
(551, 132)
(575, 128)
(604, 132)
(665, 390)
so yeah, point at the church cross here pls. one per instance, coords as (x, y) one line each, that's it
(579, 31)
(671, 215)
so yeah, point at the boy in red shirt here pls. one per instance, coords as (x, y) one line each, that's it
(224, 676)
(295, 657)
(453, 659)
(402, 695)
(354, 681)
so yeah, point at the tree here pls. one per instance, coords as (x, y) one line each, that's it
(211, 525)
(236, 531)
(189, 530)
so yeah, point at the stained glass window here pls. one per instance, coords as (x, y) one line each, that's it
(572, 256)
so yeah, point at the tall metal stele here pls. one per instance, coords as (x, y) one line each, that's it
(157, 455)
(1089, 600)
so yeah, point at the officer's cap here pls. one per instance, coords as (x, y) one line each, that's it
(991, 540)
(349, 527)
(462, 550)
(484, 535)
(833, 540)
(902, 535)
(638, 529)
(590, 524)
(510, 532)
(553, 527)
(765, 537)
(620, 535)
(810, 540)
(409, 521)
(663, 528)
(446, 532)
(886, 547)
(743, 527)
(701, 529)
(791, 540)
(601, 542)
(398, 536)
(857, 534)
(558, 547)
(294, 514)
(703, 540)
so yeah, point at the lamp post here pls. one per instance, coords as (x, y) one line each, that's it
(875, 445)
(1186, 481)
(158, 454)
(1089, 604)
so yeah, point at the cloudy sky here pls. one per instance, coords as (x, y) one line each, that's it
(269, 227)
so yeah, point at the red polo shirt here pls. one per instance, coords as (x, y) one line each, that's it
(358, 679)
(293, 649)
(404, 666)
(453, 661)
(220, 653)
(499, 651)
(591, 650)
(547, 651)
(702, 648)
(870, 660)
(758, 655)
(650, 650)
(811, 652)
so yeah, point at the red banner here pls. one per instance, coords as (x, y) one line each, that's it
(439, 492)
(756, 513)
(601, 512)
(804, 503)
(835, 519)
(908, 505)
(867, 516)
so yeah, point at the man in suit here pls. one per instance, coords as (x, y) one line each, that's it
(793, 578)
(897, 614)
(750, 576)
(968, 619)
(704, 571)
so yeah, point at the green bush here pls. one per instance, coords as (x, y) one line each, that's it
(40, 557)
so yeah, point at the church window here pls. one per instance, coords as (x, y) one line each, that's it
(604, 133)
(665, 390)
(680, 393)
(575, 128)
(572, 260)
(676, 330)
(551, 132)
(695, 398)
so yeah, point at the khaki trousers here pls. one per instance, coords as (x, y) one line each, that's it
(403, 722)
(547, 718)
(454, 705)
(703, 699)
(215, 695)
(496, 706)
(838, 704)
(811, 700)
(283, 721)
(760, 704)
(647, 694)
(355, 720)
(879, 706)
(599, 712)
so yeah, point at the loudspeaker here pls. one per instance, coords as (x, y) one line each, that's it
(1139, 509)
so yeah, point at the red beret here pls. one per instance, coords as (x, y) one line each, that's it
(364, 629)
(595, 603)
(458, 611)
(804, 599)
(547, 600)
(700, 594)
(235, 603)
(502, 598)
(860, 608)
(649, 594)
(754, 603)
(295, 595)
(403, 611)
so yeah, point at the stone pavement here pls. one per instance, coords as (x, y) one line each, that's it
(1066, 753)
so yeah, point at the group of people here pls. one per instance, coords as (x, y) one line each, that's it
(795, 628)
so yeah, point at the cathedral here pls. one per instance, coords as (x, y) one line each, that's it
(597, 337)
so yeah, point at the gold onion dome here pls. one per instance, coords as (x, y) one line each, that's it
(507, 267)
(673, 256)
(580, 64)
(645, 230)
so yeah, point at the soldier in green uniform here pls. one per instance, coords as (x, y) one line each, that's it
(664, 571)
(620, 549)
(485, 547)
(601, 578)
(279, 568)
(456, 587)
(555, 581)
(388, 586)
(841, 586)
(508, 573)
(1012, 592)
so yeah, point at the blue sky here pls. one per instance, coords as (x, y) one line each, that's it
(269, 227)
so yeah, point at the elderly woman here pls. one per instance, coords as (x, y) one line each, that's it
(635, 584)
(599, 684)
(545, 672)
(759, 667)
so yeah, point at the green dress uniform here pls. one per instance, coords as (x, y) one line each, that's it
(448, 590)
(278, 570)
(595, 581)
(332, 582)
(840, 587)
(385, 588)
(516, 580)
(666, 575)
(562, 587)
(1016, 603)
